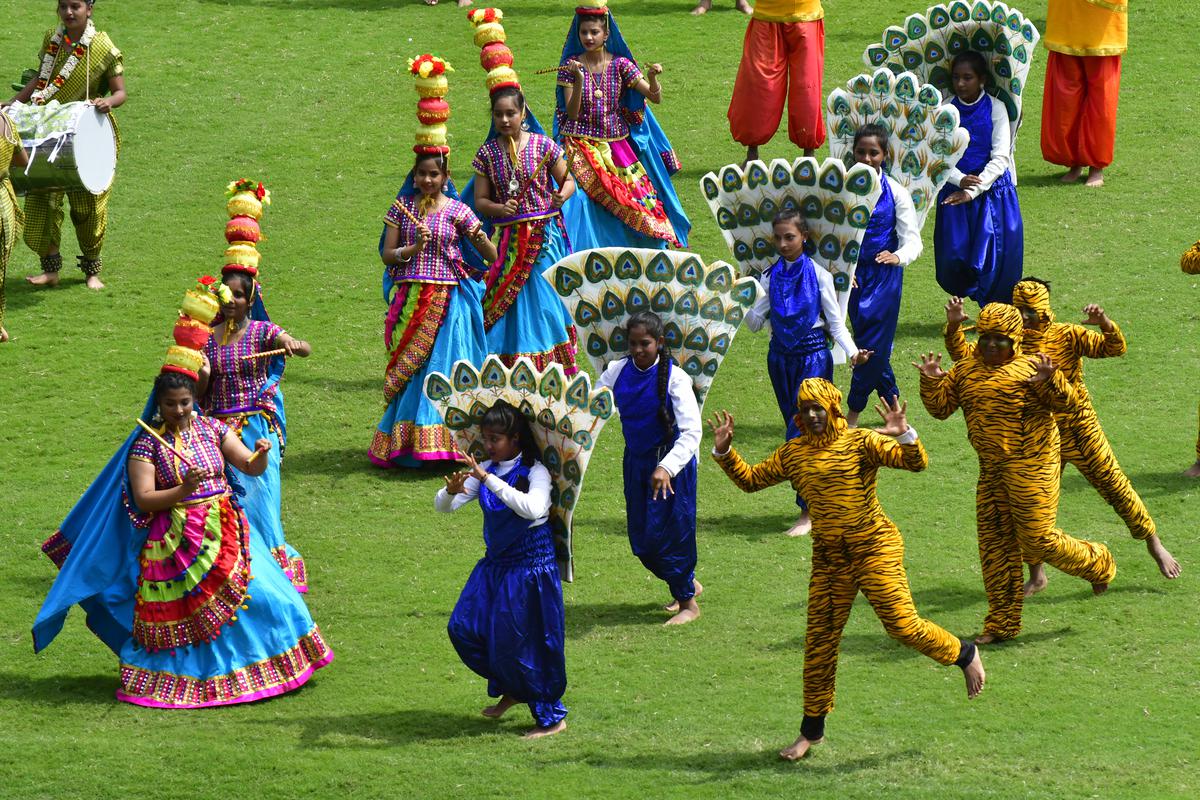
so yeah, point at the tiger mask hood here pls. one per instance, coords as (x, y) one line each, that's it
(1001, 319)
(1036, 296)
(826, 395)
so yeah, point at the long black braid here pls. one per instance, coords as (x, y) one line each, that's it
(652, 324)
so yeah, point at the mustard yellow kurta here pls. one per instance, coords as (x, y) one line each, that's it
(788, 10)
(11, 218)
(856, 547)
(89, 212)
(1087, 27)
(1011, 425)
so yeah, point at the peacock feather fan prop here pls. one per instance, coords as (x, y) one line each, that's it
(835, 200)
(565, 414)
(926, 43)
(925, 141)
(701, 305)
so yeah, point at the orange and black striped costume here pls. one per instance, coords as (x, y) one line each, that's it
(1190, 263)
(855, 546)
(1083, 442)
(1010, 423)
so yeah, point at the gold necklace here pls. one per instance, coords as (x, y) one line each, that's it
(231, 329)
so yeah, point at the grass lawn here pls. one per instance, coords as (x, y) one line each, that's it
(1097, 698)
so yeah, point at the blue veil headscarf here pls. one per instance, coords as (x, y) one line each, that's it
(533, 126)
(649, 140)
(470, 254)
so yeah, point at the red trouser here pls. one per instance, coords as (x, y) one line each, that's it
(780, 60)
(1079, 109)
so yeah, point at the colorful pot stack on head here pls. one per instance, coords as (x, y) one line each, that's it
(592, 8)
(429, 79)
(494, 55)
(200, 306)
(245, 208)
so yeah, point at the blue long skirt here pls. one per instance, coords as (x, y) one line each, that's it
(263, 501)
(537, 322)
(979, 247)
(273, 647)
(874, 312)
(412, 430)
(508, 627)
(662, 533)
(787, 371)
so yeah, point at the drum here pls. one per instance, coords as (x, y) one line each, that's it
(71, 146)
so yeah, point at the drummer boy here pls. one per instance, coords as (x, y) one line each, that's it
(76, 63)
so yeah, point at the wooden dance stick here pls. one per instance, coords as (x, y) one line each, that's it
(280, 352)
(520, 195)
(163, 442)
(547, 71)
(411, 216)
(254, 455)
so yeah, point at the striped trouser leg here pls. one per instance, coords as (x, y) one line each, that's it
(89, 214)
(1032, 486)
(831, 593)
(999, 556)
(43, 221)
(1085, 445)
(882, 578)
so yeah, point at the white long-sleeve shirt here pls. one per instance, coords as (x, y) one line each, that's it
(1001, 150)
(532, 505)
(831, 312)
(684, 406)
(909, 235)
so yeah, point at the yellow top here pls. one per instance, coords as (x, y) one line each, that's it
(788, 10)
(1087, 27)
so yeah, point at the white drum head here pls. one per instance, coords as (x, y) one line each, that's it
(95, 151)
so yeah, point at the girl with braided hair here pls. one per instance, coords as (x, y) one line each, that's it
(855, 546)
(660, 419)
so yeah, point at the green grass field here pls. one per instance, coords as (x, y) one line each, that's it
(1100, 697)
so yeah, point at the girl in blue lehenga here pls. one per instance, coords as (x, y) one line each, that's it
(516, 170)
(978, 236)
(435, 311)
(508, 624)
(158, 552)
(621, 159)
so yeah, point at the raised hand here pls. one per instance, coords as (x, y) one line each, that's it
(722, 428)
(861, 357)
(510, 207)
(477, 235)
(193, 478)
(1045, 369)
(472, 466)
(262, 446)
(456, 482)
(895, 417)
(660, 484)
(1094, 315)
(931, 365)
(955, 314)
(575, 68)
(424, 235)
(654, 69)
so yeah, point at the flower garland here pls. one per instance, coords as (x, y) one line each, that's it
(46, 88)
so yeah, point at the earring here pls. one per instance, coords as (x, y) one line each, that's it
(525, 125)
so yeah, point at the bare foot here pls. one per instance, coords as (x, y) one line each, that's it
(1193, 471)
(464, 3)
(673, 606)
(1073, 174)
(1167, 564)
(802, 527)
(798, 750)
(497, 711)
(852, 419)
(744, 7)
(538, 733)
(3, 336)
(1037, 579)
(688, 610)
(703, 7)
(45, 279)
(1095, 177)
(1099, 588)
(94, 283)
(975, 675)
(986, 638)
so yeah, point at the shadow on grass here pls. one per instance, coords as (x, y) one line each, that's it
(724, 763)
(392, 728)
(1084, 592)
(764, 524)
(583, 618)
(930, 602)
(59, 690)
(353, 460)
(1158, 484)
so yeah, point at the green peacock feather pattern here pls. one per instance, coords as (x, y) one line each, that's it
(701, 305)
(926, 43)
(835, 200)
(925, 140)
(566, 415)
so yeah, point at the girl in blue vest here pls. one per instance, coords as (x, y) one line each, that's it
(508, 623)
(661, 422)
(801, 305)
(892, 242)
(978, 237)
